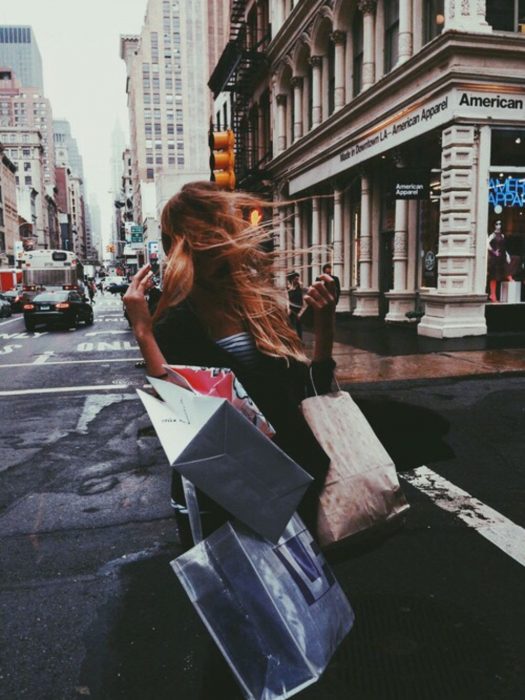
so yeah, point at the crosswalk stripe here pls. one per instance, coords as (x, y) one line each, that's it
(503, 533)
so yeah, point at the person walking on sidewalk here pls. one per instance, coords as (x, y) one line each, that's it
(219, 308)
(295, 301)
(327, 270)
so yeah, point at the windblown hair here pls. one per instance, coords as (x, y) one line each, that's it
(203, 224)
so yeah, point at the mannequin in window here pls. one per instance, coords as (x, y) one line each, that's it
(498, 257)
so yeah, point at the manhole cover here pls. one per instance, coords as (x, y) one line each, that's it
(414, 649)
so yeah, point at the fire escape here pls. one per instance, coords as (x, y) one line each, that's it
(241, 67)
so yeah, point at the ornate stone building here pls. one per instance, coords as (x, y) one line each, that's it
(393, 132)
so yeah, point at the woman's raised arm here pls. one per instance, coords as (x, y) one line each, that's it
(140, 318)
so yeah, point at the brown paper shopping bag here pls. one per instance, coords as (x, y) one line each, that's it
(361, 490)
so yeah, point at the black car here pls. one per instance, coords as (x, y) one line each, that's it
(115, 288)
(14, 297)
(5, 307)
(64, 308)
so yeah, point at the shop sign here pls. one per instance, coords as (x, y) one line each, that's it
(411, 122)
(411, 184)
(508, 192)
(136, 236)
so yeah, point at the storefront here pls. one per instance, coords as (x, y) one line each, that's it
(430, 250)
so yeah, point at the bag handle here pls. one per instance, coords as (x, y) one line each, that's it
(313, 383)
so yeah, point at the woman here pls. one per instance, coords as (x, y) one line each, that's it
(219, 308)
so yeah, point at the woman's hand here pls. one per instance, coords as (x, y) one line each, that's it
(135, 300)
(321, 297)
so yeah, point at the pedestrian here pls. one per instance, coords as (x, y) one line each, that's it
(91, 290)
(295, 301)
(219, 308)
(327, 270)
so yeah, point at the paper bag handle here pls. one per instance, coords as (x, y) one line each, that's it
(313, 383)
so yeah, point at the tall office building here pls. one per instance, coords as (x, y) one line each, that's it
(24, 107)
(168, 99)
(19, 51)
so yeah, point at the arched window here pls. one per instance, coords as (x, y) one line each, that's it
(433, 19)
(357, 35)
(391, 34)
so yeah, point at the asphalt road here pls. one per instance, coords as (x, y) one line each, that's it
(90, 607)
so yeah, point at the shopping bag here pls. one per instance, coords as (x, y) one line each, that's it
(220, 382)
(361, 489)
(216, 448)
(275, 611)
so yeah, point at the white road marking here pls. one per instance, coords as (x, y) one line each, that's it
(62, 389)
(503, 533)
(106, 332)
(43, 357)
(93, 405)
(11, 320)
(73, 362)
(6, 349)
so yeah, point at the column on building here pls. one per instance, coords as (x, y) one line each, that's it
(366, 297)
(456, 308)
(297, 236)
(281, 122)
(466, 16)
(317, 67)
(400, 299)
(339, 249)
(316, 236)
(405, 40)
(339, 39)
(281, 274)
(297, 86)
(368, 8)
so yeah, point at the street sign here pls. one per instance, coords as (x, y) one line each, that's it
(137, 234)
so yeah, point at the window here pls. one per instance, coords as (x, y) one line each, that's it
(27, 167)
(433, 19)
(149, 173)
(391, 34)
(506, 15)
(28, 180)
(357, 32)
(331, 79)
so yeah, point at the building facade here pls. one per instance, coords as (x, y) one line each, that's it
(8, 211)
(19, 51)
(25, 148)
(168, 101)
(394, 134)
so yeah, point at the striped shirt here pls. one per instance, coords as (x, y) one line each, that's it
(242, 347)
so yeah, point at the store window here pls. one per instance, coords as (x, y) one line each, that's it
(433, 19)
(506, 15)
(506, 217)
(428, 233)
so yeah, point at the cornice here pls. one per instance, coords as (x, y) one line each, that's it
(433, 56)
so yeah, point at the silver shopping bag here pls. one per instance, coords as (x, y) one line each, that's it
(275, 611)
(213, 445)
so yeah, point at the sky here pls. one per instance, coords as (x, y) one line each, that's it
(84, 76)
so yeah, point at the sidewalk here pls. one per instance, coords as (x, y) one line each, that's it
(369, 350)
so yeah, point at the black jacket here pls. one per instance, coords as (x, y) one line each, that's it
(277, 387)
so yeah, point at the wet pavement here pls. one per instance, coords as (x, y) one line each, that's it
(368, 350)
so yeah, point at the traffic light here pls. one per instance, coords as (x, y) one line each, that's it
(255, 216)
(222, 158)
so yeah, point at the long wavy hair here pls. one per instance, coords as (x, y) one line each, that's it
(210, 241)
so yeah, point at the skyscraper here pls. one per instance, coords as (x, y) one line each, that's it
(168, 98)
(19, 51)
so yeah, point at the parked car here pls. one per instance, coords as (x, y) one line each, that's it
(14, 297)
(5, 308)
(57, 308)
